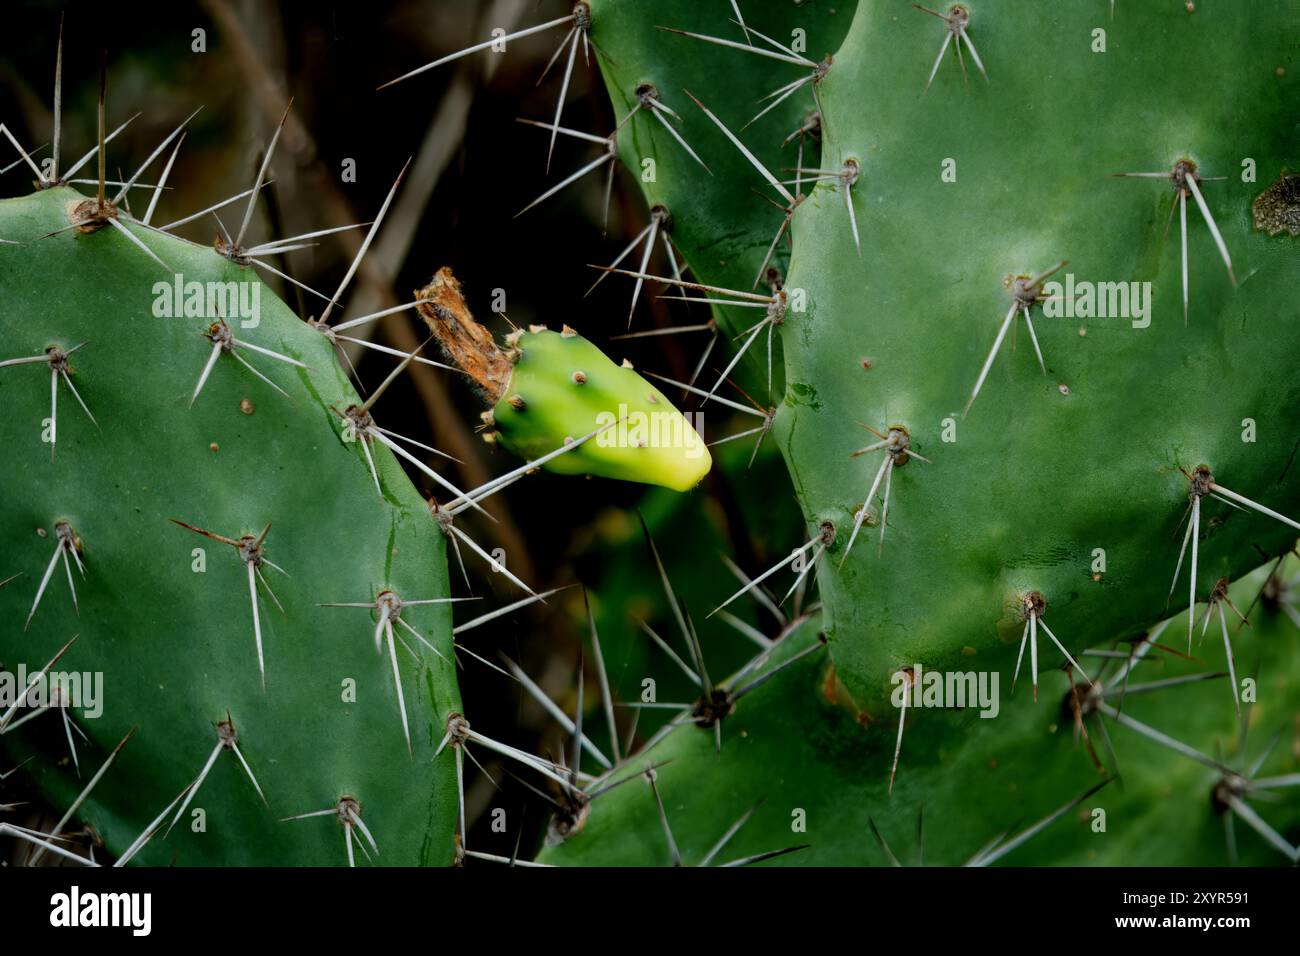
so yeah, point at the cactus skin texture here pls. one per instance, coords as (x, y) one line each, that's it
(1047, 467)
(176, 647)
(788, 747)
(563, 387)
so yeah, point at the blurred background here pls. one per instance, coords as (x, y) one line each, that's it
(473, 168)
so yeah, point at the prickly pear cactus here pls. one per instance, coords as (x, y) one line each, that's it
(999, 348)
(250, 701)
(1012, 287)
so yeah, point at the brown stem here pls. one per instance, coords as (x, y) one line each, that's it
(466, 344)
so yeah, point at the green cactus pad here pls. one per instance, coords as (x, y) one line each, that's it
(1050, 472)
(813, 776)
(1046, 469)
(164, 614)
(1063, 495)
